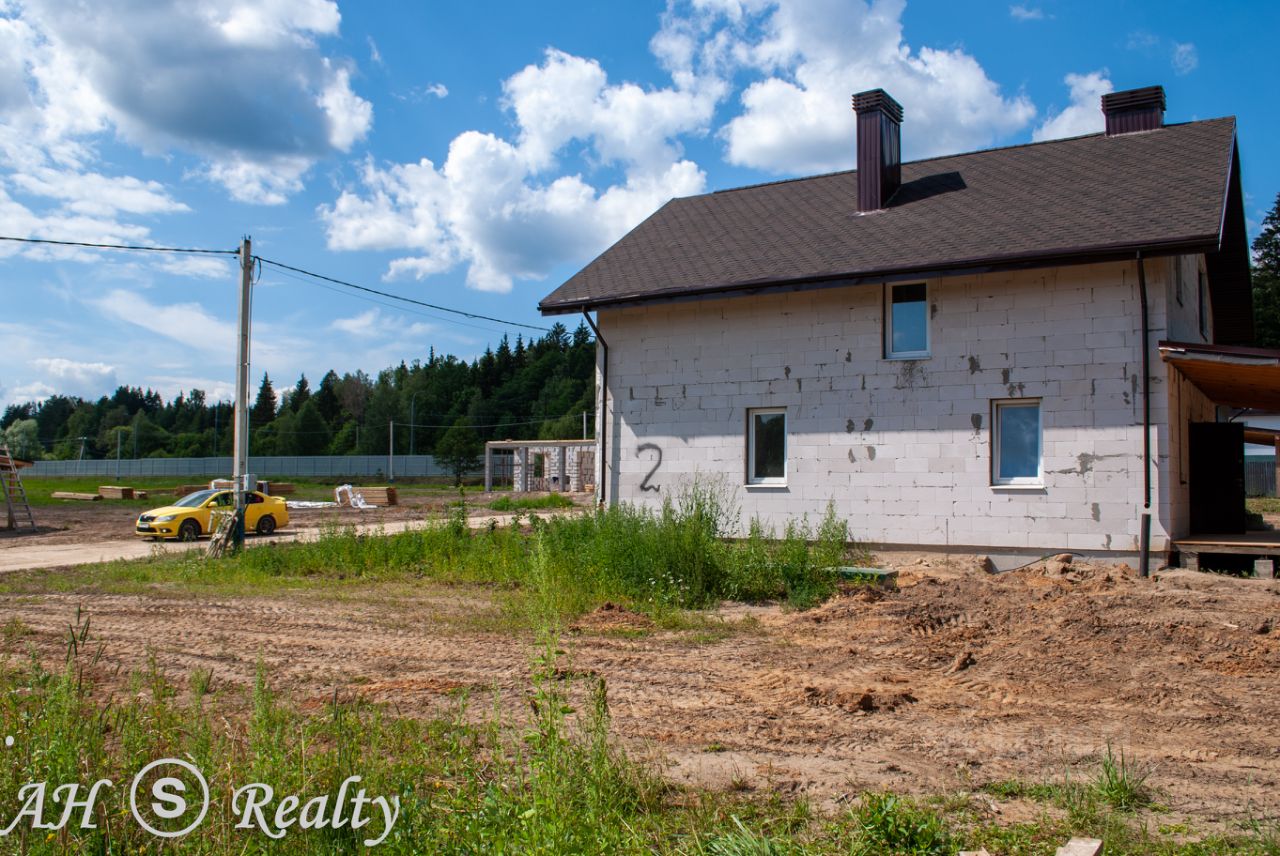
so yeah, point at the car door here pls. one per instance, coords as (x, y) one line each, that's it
(253, 508)
(219, 502)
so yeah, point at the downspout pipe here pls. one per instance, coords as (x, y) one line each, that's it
(603, 422)
(1145, 530)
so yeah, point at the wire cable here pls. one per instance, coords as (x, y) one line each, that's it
(401, 298)
(194, 250)
(388, 304)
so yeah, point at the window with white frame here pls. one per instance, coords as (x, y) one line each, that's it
(1016, 443)
(767, 446)
(906, 323)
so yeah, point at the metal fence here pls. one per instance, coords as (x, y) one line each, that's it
(317, 466)
(1260, 478)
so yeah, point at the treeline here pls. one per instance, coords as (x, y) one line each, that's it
(533, 390)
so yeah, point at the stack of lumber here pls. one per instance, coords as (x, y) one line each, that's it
(111, 491)
(139, 494)
(83, 497)
(184, 489)
(378, 495)
(280, 488)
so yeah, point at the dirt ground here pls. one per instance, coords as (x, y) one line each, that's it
(955, 679)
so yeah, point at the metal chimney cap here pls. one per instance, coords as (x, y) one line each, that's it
(878, 99)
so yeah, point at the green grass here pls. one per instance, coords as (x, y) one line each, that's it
(1263, 504)
(658, 562)
(531, 503)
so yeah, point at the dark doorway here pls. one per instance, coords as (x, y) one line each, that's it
(1217, 478)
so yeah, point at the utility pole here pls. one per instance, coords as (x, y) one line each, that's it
(240, 466)
(117, 454)
(391, 452)
(584, 425)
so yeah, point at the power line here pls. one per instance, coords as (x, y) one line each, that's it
(401, 298)
(374, 300)
(194, 250)
(496, 424)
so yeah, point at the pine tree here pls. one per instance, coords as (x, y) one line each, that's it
(1266, 280)
(301, 394)
(264, 408)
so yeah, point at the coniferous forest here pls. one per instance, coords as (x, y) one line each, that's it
(536, 389)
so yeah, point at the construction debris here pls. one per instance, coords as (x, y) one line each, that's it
(110, 491)
(83, 497)
(1081, 847)
(224, 525)
(365, 497)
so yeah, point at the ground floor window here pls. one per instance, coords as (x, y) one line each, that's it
(767, 446)
(1016, 443)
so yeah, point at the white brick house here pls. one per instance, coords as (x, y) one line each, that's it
(949, 350)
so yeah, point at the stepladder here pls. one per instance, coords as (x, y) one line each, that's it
(17, 507)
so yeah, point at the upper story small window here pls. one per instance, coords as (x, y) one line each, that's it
(767, 446)
(906, 327)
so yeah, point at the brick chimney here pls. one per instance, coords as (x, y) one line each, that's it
(1134, 110)
(879, 148)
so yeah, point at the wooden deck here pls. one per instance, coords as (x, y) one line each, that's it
(1264, 546)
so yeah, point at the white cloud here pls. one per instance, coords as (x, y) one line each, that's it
(814, 54)
(439, 90)
(33, 391)
(243, 86)
(1084, 114)
(1185, 58)
(188, 323)
(375, 324)
(215, 389)
(1024, 13)
(199, 267)
(70, 377)
(98, 195)
(489, 206)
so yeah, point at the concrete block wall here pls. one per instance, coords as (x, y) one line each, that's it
(903, 447)
(560, 470)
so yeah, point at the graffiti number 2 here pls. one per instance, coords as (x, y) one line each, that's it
(657, 462)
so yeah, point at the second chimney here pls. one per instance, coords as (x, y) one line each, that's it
(1134, 110)
(879, 148)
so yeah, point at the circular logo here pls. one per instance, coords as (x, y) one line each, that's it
(169, 794)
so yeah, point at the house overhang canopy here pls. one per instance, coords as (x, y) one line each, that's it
(1229, 375)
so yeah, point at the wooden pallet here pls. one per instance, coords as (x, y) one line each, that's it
(111, 491)
(82, 497)
(381, 496)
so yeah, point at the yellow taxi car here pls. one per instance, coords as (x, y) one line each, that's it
(192, 516)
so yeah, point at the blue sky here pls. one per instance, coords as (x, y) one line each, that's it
(475, 155)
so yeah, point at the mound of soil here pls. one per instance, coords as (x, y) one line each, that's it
(611, 618)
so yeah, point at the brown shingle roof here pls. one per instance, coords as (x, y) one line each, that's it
(1086, 196)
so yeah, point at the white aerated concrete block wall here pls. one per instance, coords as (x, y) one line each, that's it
(903, 447)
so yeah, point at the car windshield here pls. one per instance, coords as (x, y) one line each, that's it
(197, 499)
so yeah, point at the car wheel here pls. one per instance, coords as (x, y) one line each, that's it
(266, 525)
(189, 530)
